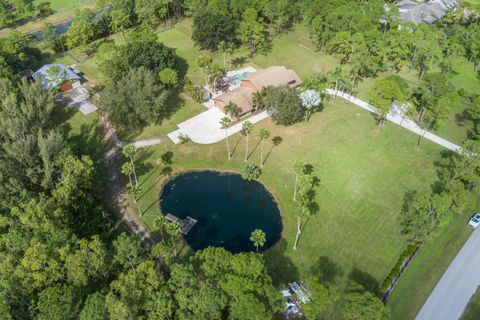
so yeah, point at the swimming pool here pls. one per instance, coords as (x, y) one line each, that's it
(236, 78)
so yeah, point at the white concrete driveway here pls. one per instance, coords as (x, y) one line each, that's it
(457, 285)
(397, 117)
(205, 128)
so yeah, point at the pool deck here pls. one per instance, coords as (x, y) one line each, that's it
(185, 225)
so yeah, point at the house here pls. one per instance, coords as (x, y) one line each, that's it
(254, 82)
(428, 12)
(273, 76)
(56, 76)
(242, 97)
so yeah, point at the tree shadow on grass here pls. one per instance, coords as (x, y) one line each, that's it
(236, 145)
(141, 164)
(462, 118)
(143, 180)
(276, 141)
(253, 150)
(325, 270)
(365, 279)
(239, 61)
(280, 267)
(166, 171)
(442, 167)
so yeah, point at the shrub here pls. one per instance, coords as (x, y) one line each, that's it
(283, 104)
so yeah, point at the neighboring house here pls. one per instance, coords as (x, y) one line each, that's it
(428, 12)
(242, 96)
(56, 76)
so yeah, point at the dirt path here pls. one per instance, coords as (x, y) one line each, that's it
(117, 190)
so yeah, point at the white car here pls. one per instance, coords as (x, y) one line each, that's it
(475, 220)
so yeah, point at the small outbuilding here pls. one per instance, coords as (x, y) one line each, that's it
(56, 76)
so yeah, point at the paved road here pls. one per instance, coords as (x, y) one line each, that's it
(457, 285)
(397, 117)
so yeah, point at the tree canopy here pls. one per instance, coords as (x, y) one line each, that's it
(284, 104)
(210, 28)
(141, 49)
(136, 99)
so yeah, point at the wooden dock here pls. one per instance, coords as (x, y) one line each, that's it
(185, 225)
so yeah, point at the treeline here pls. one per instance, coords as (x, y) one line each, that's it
(12, 10)
(62, 256)
(368, 37)
(113, 16)
(16, 54)
(457, 190)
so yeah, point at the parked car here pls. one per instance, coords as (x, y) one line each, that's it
(475, 220)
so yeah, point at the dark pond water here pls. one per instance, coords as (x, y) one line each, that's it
(226, 207)
(59, 30)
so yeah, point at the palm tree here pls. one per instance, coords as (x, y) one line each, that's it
(223, 47)
(225, 122)
(258, 98)
(173, 230)
(160, 223)
(215, 72)
(302, 215)
(298, 167)
(251, 172)
(136, 192)
(127, 169)
(231, 109)
(263, 135)
(258, 238)
(246, 129)
(230, 50)
(205, 62)
(336, 74)
(129, 151)
(305, 185)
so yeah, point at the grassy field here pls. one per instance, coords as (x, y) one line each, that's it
(62, 5)
(305, 61)
(364, 174)
(427, 268)
(472, 311)
(65, 10)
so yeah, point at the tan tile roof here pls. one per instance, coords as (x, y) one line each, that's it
(273, 76)
(240, 96)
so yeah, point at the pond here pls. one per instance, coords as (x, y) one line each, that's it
(226, 207)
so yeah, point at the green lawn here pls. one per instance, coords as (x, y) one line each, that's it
(472, 311)
(300, 55)
(65, 10)
(363, 174)
(427, 268)
(62, 5)
(305, 60)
